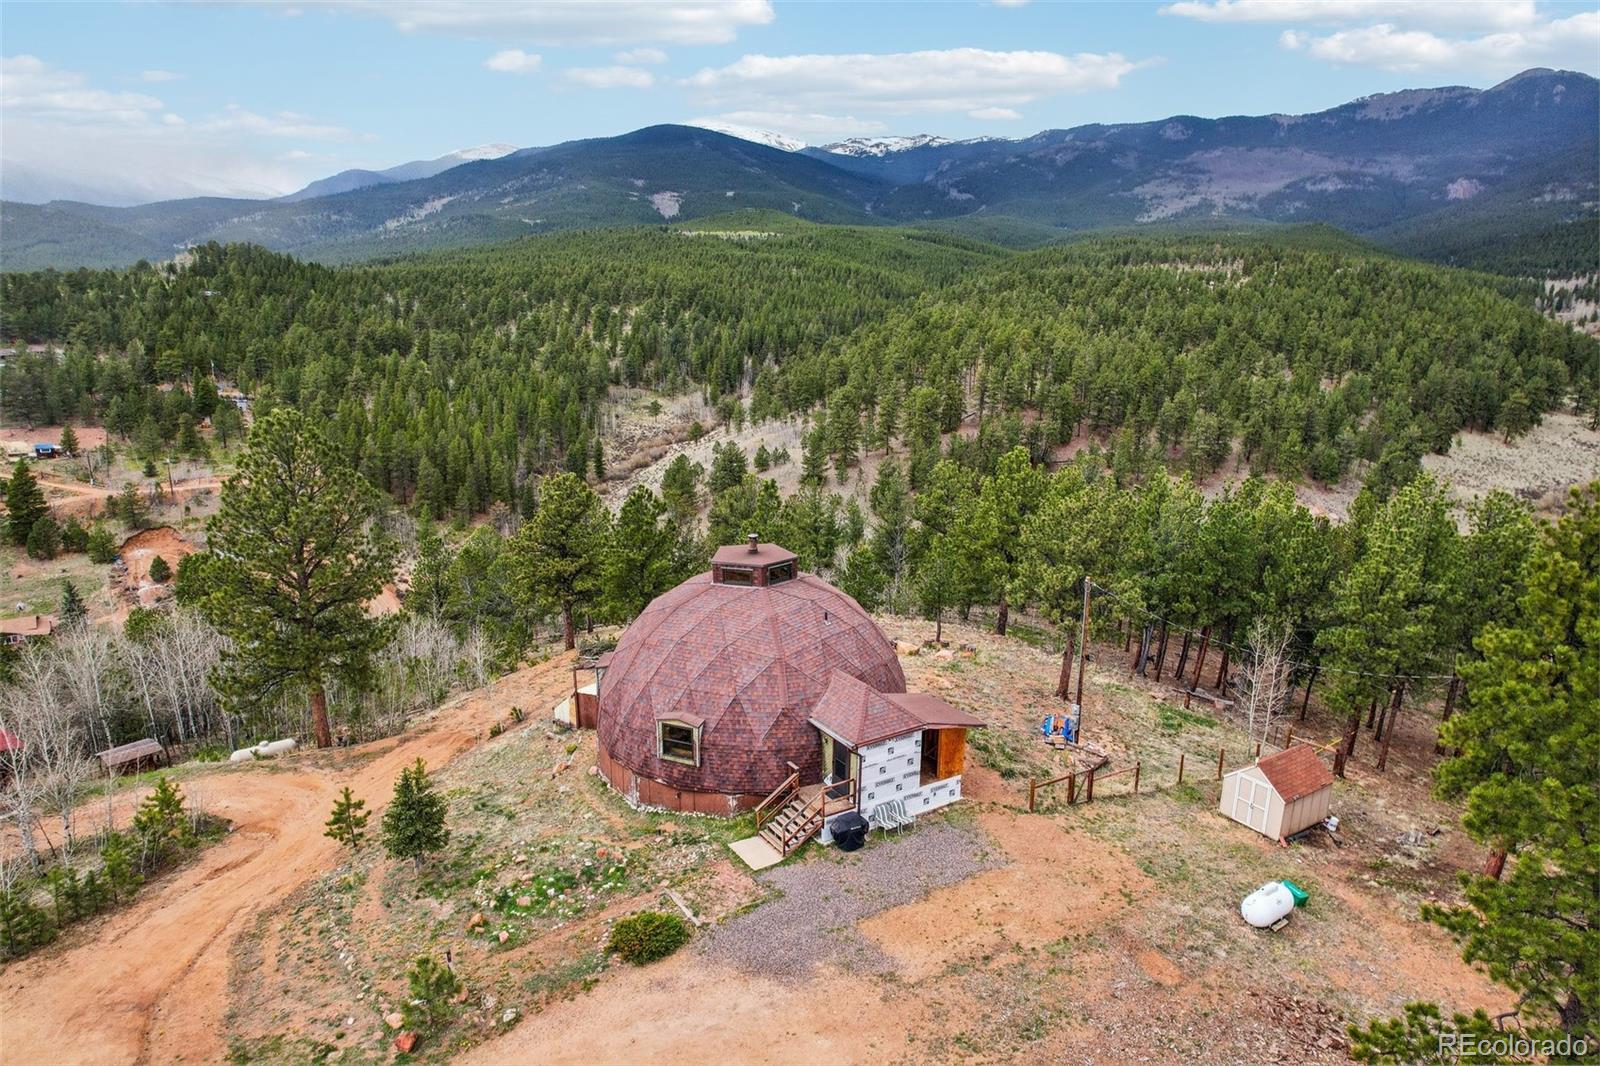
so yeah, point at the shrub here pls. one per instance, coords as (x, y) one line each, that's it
(102, 546)
(44, 539)
(160, 570)
(430, 985)
(648, 936)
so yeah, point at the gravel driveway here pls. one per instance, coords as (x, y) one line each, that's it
(826, 894)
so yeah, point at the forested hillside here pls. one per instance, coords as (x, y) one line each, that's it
(453, 380)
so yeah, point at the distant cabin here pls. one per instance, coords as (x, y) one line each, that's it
(15, 631)
(47, 451)
(1280, 795)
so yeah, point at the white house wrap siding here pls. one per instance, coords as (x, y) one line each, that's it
(892, 770)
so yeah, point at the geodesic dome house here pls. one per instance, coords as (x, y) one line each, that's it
(707, 699)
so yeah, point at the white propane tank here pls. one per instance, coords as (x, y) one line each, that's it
(1267, 905)
(264, 750)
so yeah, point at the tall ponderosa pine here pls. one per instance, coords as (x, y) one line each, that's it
(293, 561)
(25, 504)
(1529, 746)
(413, 824)
(558, 556)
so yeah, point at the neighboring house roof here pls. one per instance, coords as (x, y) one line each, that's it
(860, 715)
(123, 754)
(1296, 772)
(32, 625)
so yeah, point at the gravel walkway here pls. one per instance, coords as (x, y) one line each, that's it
(827, 894)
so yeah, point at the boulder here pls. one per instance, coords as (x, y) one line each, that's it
(524, 901)
(905, 647)
(405, 1042)
(503, 936)
(476, 920)
(394, 1020)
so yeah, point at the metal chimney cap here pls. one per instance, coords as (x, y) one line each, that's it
(755, 545)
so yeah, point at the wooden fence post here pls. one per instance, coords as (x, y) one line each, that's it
(1288, 739)
(1136, 777)
(1219, 764)
(1089, 788)
(1072, 789)
(1258, 749)
(1180, 767)
(1033, 785)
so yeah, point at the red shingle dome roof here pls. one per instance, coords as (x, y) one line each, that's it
(745, 665)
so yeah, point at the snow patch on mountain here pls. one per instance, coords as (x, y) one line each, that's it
(878, 147)
(780, 141)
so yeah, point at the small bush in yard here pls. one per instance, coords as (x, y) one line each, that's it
(431, 986)
(648, 936)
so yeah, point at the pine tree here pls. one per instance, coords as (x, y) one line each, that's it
(431, 986)
(294, 559)
(413, 825)
(23, 925)
(557, 557)
(1529, 742)
(160, 570)
(74, 538)
(71, 611)
(348, 822)
(116, 857)
(131, 507)
(814, 458)
(161, 824)
(642, 559)
(44, 539)
(101, 546)
(25, 504)
(69, 440)
(727, 467)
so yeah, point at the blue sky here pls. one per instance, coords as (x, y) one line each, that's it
(156, 99)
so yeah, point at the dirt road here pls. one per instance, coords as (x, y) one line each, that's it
(148, 984)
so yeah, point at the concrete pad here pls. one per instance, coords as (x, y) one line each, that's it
(756, 853)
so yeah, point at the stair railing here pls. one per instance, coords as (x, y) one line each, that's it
(779, 798)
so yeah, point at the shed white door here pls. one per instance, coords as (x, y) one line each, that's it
(1250, 803)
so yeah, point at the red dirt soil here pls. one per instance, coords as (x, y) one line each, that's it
(149, 983)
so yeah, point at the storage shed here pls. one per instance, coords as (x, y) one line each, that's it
(1280, 795)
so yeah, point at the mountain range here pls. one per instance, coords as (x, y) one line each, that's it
(1435, 167)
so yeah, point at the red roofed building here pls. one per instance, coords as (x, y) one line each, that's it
(1280, 795)
(756, 685)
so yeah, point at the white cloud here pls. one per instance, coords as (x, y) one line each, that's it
(610, 77)
(558, 22)
(158, 76)
(801, 126)
(1010, 3)
(29, 85)
(1461, 15)
(953, 80)
(1569, 42)
(997, 114)
(638, 57)
(513, 61)
(236, 119)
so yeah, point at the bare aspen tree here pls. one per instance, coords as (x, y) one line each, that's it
(1263, 680)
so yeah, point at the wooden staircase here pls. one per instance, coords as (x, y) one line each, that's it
(793, 813)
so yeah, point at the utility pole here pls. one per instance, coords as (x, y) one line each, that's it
(1083, 648)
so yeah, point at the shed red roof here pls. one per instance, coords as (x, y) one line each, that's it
(1296, 772)
(750, 663)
